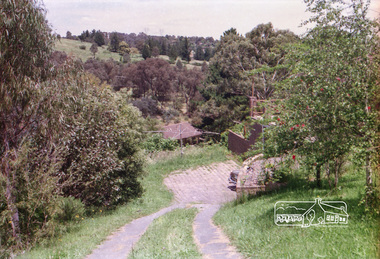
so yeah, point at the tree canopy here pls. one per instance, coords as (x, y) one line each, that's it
(231, 79)
(114, 42)
(327, 108)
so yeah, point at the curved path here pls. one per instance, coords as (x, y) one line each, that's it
(212, 242)
(120, 243)
(205, 188)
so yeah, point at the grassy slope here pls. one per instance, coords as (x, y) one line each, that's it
(71, 47)
(250, 225)
(170, 236)
(81, 237)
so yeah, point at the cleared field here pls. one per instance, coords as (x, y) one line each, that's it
(82, 51)
(72, 48)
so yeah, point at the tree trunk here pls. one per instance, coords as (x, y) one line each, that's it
(336, 174)
(187, 99)
(338, 164)
(368, 171)
(14, 211)
(328, 174)
(9, 191)
(318, 175)
(11, 202)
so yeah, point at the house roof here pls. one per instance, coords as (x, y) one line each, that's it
(181, 130)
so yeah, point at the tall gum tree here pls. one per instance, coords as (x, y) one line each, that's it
(25, 45)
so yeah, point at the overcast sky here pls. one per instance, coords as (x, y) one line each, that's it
(177, 17)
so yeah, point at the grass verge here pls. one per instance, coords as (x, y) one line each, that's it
(249, 223)
(79, 238)
(169, 236)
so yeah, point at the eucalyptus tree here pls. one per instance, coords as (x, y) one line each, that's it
(269, 49)
(99, 38)
(60, 132)
(231, 79)
(25, 46)
(114, 42)
(152, 77)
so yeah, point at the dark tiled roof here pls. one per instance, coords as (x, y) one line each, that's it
(184, 130)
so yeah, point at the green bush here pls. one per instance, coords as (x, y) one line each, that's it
(70, 208)
(102, 144)
(157, 143)
(83, 47)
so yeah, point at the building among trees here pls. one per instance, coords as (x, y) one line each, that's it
(182, 131)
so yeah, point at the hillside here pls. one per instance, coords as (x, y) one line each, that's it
(72, 47)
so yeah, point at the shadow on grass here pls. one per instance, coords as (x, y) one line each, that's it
(249, 222)
(350, 190)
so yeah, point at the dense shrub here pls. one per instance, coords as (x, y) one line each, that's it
(70, 209)
(58, 58)
(102, 141)
(157, 143)
(147, 106)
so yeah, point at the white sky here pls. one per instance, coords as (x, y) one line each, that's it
(177, 17)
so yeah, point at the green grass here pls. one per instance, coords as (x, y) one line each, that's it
(169, 236)
(79, 238)
(193, 157)
(71, 47)
(250, 225)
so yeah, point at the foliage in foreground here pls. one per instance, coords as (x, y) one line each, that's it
(250, 224)
(61, 134)
(327, 110)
